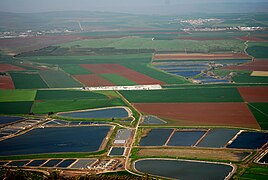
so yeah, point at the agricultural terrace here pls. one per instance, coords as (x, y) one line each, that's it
(184, 95)
(161, 45)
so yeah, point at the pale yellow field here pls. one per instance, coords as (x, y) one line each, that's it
(260, 73)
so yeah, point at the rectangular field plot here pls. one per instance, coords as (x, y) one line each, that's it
(15, 107)
(260, 111)
(117, 151)
(58, 79)
(249, 140)
(36, 163)
(122, 136)
(17, 95)
(18, 163)
(74, 69)
(218, 138)
(254, 94)
(184, 95)
(185, 138)
(52, 163)
(202, 114)
(9, 67)
(28, 81)
(72, 105)
(156, 137)
(118, 80)
(6, 82)
(67, 94)
(123, 71)
(83, 163)
(66, 163)
(93, 80)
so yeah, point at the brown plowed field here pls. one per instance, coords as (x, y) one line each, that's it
(18, 45)
(9, 67)
(202, 114)
(6, 82)
(93, 80)
(257, 65)
(197, 56)
(251, 38)
(122, 71)
(254, 94)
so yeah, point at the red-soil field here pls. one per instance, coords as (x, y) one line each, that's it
(202, 114)
(6, 82)
(122, 71)
(93, 80)
(9, 67)
(257, 65)
(254, 94)
(202, 56)
(18, 45)
(251, 38)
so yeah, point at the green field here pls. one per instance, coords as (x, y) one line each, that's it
(255, 172)
(162, 45)
(129, 58)
(22, 107)
(58, 79)
(157, 74)
(44, 107)
(244, 77)
(67, 95)
(118, 80)
(17, 95)
(74, 69)
(184, 95)
(258, 49)
(260, 111)
(27, 80)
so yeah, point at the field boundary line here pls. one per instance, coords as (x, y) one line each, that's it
(202, 137)
(266, 115)
(170, 136)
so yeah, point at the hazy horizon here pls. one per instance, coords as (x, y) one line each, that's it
(137, 6)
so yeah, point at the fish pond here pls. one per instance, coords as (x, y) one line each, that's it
(153, 120)
(156, 137)
(181, 169)
(9, 119)
(56, 140)
(218, 138)
(249, 140)
(118, 112)
(185, 138)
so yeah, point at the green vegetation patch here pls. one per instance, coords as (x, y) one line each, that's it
(156, 74)
(67, 94)
(184, 95)
(17, 95)
(28, 80)
(245, 77)
(43, 107)
(74, 69)
(161, 45)
(117, 79)
(260, 111)
(58, 79)
(129, 58)
(258, 49)
(23, 107)
(255, 172)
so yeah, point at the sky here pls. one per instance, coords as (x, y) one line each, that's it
(131, 6)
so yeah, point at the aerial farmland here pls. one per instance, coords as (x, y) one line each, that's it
(114, 95)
